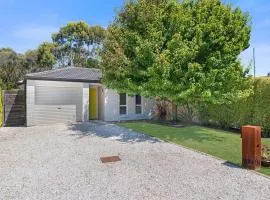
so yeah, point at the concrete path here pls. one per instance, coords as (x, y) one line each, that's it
(63, 162)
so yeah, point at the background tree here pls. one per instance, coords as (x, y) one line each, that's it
(30, 57)
(181, 52)
(12, 68)
(268, 74)
(40, 59)
(45, 56)
(77, 44)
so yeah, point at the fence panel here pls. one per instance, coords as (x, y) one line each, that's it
(14, 112)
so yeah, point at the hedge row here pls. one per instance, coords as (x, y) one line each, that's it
(255, 110)
(1, 108)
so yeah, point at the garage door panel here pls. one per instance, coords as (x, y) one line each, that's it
(54, 104)
(57, 95)
(54, 114)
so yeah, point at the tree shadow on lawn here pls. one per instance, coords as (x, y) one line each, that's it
(108, 130)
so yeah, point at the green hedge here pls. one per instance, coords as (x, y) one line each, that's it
(1, 107)
(254, 110)
(261, 103)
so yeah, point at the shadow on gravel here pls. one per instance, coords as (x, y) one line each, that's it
(107, 130)
(231, 165)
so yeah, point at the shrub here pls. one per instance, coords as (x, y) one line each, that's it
(253, 110)
(265, 152)
(161, 110)
(261, 115)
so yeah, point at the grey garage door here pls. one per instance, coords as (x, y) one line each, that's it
(57, 104)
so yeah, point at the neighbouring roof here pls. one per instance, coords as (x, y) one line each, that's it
(71, 74)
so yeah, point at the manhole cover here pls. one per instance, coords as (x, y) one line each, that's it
(110, 159)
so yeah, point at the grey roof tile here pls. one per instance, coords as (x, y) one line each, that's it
(77, 74)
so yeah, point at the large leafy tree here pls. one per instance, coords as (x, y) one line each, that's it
(179, 51)
(78, 44)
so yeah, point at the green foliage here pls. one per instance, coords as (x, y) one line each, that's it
(265, 152)
(45, 56)
(40, 59)
(261, 102)
(78, 44)
(181, 52)
(252, 110)
(12, 68)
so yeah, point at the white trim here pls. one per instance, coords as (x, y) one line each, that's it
(96, 84)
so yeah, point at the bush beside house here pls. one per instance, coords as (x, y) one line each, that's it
(261, 102)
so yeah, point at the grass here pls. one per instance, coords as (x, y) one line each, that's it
(223, 144)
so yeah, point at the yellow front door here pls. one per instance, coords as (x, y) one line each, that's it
(93, 114)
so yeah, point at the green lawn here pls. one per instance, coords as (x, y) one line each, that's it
(222, 144)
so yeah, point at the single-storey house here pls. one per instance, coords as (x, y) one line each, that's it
(76, 94)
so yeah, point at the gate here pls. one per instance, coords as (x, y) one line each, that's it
(14, 110)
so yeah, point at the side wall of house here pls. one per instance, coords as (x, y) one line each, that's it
(111, 107)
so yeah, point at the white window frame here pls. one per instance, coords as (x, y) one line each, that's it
(138, 105)
(121, 106)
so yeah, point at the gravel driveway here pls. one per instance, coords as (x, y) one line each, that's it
(63, 162)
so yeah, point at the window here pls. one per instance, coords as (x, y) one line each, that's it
(138, 102)
(123, 104)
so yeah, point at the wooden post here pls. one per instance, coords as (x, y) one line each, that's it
(251, 147)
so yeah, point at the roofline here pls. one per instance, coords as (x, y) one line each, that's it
(60, 79)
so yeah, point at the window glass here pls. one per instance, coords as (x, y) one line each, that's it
(123, 110)
(138, 109)
(123, 99)
(138, 100)
(123, 104)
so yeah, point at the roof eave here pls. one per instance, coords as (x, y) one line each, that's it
(60, 79)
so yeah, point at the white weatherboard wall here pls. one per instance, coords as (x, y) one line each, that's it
(54, 102)
(111, 107)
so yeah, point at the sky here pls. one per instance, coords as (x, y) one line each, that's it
(25, 24)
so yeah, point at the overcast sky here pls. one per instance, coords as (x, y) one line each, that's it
(25, 24)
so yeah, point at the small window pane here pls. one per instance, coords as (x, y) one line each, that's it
(138, 109)
(123, 110)
(138, 100)
(123, 99)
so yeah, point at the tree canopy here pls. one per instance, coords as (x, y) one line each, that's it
(179, 51)
(77, 44)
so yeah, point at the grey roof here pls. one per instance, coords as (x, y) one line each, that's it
(72, 74)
